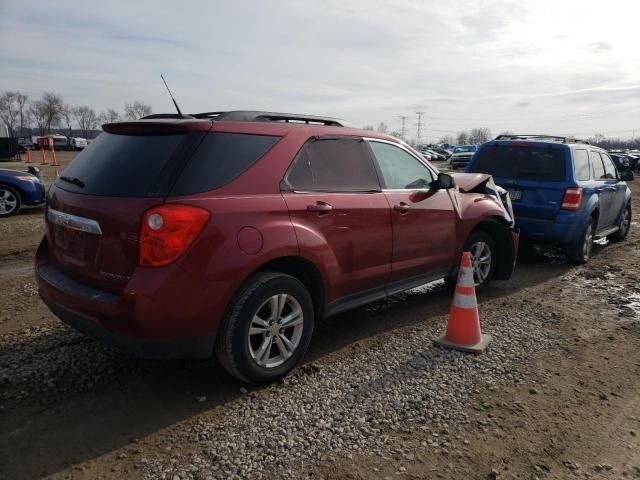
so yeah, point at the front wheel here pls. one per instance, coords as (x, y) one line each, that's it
(579, 252)
(9, 201)
(482, 247)
(267, 328)
(623, 226)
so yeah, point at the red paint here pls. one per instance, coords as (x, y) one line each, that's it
(360, 243)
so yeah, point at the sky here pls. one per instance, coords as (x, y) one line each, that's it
(565, 67)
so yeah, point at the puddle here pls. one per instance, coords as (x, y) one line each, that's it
(624, 298)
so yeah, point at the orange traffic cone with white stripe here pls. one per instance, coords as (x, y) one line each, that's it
(463, 329)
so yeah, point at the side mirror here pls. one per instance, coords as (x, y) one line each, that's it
(444, 181)
(626, 174)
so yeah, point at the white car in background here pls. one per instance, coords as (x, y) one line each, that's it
(77, 143)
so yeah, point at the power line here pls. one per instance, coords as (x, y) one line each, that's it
(419, 129)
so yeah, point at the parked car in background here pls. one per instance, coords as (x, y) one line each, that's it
(461, 155)
(77, 143)
(19, 188)
(24, 143)
(60, 142)
(563, 190)
(184, 237)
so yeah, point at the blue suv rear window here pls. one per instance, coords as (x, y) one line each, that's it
(521, 162)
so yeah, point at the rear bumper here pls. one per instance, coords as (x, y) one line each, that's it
(150, 318)
(197, 347)
(565, 228)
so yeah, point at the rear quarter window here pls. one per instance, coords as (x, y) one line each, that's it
(219, 159)
(581, 165)
(521, 162)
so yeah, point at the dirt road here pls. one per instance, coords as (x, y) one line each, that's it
(556, 396)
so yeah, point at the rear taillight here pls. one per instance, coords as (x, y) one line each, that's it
(572, 199)
(167, 231)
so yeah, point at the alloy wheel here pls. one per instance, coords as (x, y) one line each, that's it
(275, 331)
(8, 202)
(481, 260)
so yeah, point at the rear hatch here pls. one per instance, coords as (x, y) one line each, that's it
(96, 205)
(533, 173)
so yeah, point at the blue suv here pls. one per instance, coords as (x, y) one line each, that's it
(563, 190)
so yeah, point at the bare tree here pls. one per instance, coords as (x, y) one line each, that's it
(38, 111)
(9, 110)
(67, 115)
(383, 127)
(448, 139)
(86, 118)
(462, 138)
(136, 110)
(368, 127)
(479, 135)
(53, 105)
(23, 111)
(110, 116)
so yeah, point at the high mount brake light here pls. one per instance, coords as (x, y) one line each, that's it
(167, 231)
(572, 199)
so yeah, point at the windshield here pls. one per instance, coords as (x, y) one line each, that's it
(465, 149)
(518, 162)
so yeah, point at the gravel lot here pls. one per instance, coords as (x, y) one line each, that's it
(555, 396)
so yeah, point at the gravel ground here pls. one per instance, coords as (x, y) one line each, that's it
(400, 383)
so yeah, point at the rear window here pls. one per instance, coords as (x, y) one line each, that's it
(220, 158)
(124, 165)
(521, 162)
(116, 165)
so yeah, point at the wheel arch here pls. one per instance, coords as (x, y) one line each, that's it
(304, 271)
(500, 230)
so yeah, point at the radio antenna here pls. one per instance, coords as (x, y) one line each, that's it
(174, 100)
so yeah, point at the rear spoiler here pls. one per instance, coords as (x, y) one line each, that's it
(145, 128)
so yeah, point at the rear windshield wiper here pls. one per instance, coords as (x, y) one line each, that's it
(75, 180)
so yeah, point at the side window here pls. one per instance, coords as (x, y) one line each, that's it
(609, 167)
(598, 167)
(581, 165)
(333, 165)
(400, 170)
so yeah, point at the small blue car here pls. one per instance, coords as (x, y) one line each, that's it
(19, 188)
(563, 190)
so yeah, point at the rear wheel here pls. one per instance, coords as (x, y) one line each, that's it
(580, 251)
(267, 328)
(9, 201)
(623, 226)
(482, 247)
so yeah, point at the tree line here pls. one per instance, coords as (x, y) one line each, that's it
(21, 113)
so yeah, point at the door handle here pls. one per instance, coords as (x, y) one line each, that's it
(402, 207)
(319, 208)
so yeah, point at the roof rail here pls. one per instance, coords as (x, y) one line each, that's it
(257, 116)
(556, 138)
(164, 115)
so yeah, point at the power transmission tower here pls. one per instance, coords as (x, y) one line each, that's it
(404, 119)
(419, 129)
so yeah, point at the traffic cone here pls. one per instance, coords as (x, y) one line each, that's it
(28, 160)
(463, 329)
(54, 161)
(44, 156)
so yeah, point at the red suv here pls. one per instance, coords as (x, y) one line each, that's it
(233, 232)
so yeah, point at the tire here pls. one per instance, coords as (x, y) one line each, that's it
(258, 358)
(478, 242)
(10, 201)
(579, 252)
(624, 225)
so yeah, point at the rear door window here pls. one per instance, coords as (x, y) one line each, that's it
(598, 167)
(219, 159)
(581, 165)
(521, 162)
(339, 164)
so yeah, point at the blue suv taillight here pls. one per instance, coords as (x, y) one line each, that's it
(572, 199)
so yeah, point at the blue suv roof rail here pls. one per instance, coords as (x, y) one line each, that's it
(553, 138)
